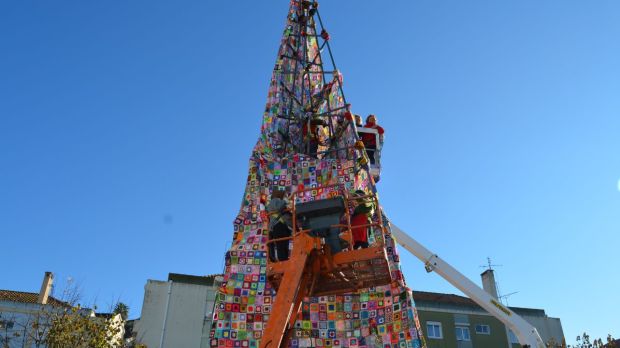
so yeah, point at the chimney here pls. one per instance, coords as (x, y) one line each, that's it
(488, 282)
(46, 287)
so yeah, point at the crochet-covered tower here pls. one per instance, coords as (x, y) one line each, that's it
(307, 140)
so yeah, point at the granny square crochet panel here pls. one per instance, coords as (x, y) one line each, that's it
(382, 316)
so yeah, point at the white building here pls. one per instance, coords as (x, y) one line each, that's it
(177, 313)
(25, 316)
(116, 326)
(19, 310)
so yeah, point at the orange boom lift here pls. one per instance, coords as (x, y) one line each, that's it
(313, 270)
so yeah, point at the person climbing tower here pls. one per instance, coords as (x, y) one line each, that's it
(370, 139)
(312, 137)
(279, 226)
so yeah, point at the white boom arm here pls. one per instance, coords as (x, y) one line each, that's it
(527, 334)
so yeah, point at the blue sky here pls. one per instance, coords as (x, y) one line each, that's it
(126, 128)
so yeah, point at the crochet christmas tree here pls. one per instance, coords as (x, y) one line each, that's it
(308, 142)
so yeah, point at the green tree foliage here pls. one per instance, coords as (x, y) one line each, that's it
(77, 328)
(584, 341)
(122, 309)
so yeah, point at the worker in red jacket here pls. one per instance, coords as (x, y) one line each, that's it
(370, 139)
(361, 218)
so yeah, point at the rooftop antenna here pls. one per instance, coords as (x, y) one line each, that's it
(504, 298)
(490, 265)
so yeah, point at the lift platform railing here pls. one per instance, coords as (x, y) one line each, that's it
(375, 163)
(346, 229)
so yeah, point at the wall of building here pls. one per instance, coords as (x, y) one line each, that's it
(20, 316)
(175, 313)
(448, 339)
(149, 328)
(186, 315)
(550, 329)
(450, 316)
(497, 337)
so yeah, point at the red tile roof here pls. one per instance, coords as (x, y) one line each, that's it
(27, 297)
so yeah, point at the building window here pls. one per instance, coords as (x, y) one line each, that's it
(512, 337)
(433, 329)
(462, 333)
(6, 324)
(483, 329)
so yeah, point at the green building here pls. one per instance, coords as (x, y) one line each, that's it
(452, 321)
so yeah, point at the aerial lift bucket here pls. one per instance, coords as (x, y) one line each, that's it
(314, 269)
